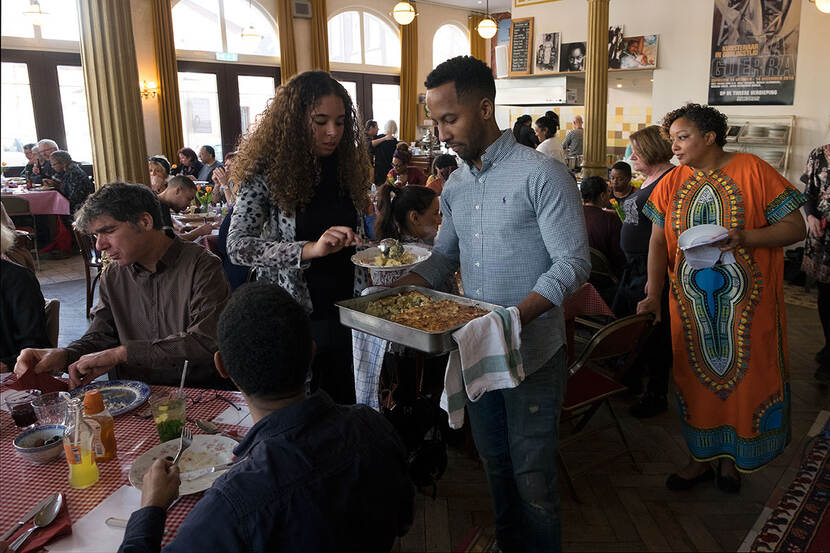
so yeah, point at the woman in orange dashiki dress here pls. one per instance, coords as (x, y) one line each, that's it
(728, 321)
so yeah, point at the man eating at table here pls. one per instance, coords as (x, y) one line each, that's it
(513, 224)
(310, 475)
(159, 299)
(177, 196)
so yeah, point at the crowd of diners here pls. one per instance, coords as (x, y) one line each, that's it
(320, 473)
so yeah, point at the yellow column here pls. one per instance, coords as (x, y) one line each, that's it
(409, 81)
(596, 90)
(288, 53)
(119, 151)
(319, 35)
(164, 48)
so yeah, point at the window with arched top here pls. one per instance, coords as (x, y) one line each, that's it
(236, 26)
(449, 41)
(360, 37)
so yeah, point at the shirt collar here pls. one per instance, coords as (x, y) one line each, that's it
(495, 151)
(282, 420)
(169, 258)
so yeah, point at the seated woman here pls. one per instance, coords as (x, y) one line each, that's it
(159, 172)
(442, 168)
(401, 174)
(237, 274)
(603, 231)
(23, 320)
(546, 129)
(223, 189)
(189, 164)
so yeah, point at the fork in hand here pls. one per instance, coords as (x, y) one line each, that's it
(185, 441)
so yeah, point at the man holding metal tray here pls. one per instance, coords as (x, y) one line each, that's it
(513, 223)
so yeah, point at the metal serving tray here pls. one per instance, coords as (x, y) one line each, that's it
(353, 315)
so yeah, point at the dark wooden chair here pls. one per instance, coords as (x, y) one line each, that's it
(92, 260)
(53, 314)
(593, 380)
(19, 207)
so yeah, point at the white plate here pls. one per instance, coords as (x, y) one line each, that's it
(366, 258)
(701, 235)
(205, 451)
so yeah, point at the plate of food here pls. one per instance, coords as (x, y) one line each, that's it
(206, 451)
(195, 217)
(120, 396)
(372, 258)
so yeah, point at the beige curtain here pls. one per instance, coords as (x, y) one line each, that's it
(116, 123)
(164, 48)
(288, 52)
(319, 35)
(478, 45)
(409, 80)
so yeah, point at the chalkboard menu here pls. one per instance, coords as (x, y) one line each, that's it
(521, 45)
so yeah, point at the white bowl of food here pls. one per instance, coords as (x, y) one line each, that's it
(41, 444)
(371, 258)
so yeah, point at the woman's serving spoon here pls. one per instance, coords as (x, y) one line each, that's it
(391, 248)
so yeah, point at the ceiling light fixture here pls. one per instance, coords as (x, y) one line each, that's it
(487, 27)
(619, 83)
(822, 5)
(249, 33)
(404, 13)
(35, 13)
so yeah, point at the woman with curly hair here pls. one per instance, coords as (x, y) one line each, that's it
(727, 316)
(402, 174)
(303, 177)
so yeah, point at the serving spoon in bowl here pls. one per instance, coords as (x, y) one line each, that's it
(391, 248)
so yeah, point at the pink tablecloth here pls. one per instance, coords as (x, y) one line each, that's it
(44, 202)
(22, 484)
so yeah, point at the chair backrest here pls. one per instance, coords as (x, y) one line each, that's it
(600, 266)
(16, 205)
(53, 312)
(92, 257)
(622, 338)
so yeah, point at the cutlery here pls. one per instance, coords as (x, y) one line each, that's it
(184, 442)
(229, 402)
(28, 516)
(391, 248)
(210, 427)
(194, 474)
(181, 384)
(122, 522)
(43, 518)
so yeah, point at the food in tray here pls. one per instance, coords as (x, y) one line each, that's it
(405, 258)
(418, 310)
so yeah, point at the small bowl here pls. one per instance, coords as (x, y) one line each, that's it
(25, 446)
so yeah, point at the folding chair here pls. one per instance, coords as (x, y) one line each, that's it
(92, 260)
(590, 386)
(19, 207)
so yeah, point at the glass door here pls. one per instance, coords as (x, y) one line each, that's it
(75, 119)
(199, 98)
(254, 94)
(17, 125)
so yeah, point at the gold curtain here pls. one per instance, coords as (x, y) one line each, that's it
(119, 150)
(164, 48)
(478, 45)
(288, 52)
(319, 35)
(409, 80)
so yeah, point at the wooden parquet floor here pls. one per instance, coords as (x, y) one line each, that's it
(621, 509)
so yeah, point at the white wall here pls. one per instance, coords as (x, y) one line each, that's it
(142, 17)
(685, 29)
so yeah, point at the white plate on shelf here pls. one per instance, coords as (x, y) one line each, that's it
(205, 451)
(366, 258)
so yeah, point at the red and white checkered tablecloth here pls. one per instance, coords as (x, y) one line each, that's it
(22, 484)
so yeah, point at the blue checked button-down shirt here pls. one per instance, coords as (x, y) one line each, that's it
(515, 226)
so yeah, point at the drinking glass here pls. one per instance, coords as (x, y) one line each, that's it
(169, 415)
(20, 407)
(50, 408)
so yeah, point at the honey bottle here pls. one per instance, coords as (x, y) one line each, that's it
(103, 426)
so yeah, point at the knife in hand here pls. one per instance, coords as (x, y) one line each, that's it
(32, 512)
(194, 474)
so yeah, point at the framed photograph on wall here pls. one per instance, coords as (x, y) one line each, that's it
(521, 46)
(572, 57)
(546, 53)
(615, 46)
(639, 52)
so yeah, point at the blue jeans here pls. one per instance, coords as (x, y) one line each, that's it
(516, 432)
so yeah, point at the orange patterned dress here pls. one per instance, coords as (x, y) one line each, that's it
(728, 322)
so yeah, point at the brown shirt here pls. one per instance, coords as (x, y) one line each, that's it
(162, 317)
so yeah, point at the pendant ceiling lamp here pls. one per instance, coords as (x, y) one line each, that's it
(823, 6)
(403, 13)
(249, 33)
(487, 27)
(35, 13)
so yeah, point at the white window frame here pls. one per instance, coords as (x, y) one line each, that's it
(246, 59)
(363, 67)
(455, 24)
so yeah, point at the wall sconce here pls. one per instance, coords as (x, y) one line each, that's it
(148, 89)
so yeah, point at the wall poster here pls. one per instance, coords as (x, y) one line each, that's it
(521, 46)
(754, 52)
(547, 53)
(639, 52)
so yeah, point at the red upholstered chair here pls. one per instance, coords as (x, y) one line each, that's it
(593, 380)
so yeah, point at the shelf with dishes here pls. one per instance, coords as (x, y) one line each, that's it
(768, 137)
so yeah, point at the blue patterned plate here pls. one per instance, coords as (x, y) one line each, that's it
(120, 396)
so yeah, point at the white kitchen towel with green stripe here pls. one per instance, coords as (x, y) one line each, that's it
(487, 359)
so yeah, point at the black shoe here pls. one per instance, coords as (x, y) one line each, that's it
(649, 405)
(678, 483)
(822, 374)
(728, 484)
